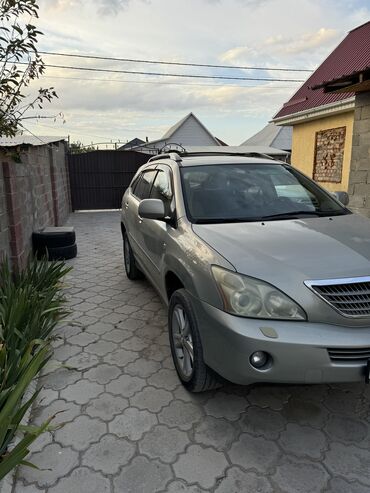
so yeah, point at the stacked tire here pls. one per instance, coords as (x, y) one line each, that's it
(55, 243)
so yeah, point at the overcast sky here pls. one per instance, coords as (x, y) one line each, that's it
(266, 33)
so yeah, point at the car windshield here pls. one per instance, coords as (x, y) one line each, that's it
(253, 192)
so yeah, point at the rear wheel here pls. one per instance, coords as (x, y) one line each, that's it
(132, 271)
(186, 346)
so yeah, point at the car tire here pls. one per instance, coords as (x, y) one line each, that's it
(132, 271)
(62, 253)
(42, 240)
(199, 377)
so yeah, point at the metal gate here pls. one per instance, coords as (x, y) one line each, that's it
(98, 179)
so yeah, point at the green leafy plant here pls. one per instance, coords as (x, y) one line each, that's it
(31, 305)
(20, 64)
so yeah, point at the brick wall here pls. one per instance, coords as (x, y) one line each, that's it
(4, 230)
(37, 195)
(329, 154)
(359, 178)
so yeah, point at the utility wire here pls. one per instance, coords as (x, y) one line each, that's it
(160, 74)
(124, 81)
(180, 64)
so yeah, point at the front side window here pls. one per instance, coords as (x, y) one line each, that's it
(162, 189)
(253, 192)
(142, 187)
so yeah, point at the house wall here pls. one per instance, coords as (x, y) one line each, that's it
(191, 133)
(304, 146)
(359, 179)
(35, 182)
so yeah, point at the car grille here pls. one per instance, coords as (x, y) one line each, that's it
(350, 298)
(349, 354)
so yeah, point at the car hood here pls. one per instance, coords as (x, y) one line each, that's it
(286, 251)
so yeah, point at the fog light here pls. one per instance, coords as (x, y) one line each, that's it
(259, 359)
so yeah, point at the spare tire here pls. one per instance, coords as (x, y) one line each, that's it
(62, 253)
(53, 237)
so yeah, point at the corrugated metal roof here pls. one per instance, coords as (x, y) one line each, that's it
(351, 55)
(272, 136)
(31, 140)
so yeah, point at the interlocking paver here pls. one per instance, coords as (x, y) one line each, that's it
(200, 465)
(255, 453)
(100, 348)
(143, 367)
(163, 443)
(82, 391)
(227, 406)
(65, 411)
(81, 432)
(240, 481)
(132, 427)
(126, 385)
(83, 480)
(262, 422)
(151, 398)
(132, 423)
(82, 361)
(54, 460)
(83, 339)
(102, 373)
(108, 454)
(182, 415)
(348, 461)
(303, 441)
(144, 476)
(293, 476)
(215, 432)
(106, 406)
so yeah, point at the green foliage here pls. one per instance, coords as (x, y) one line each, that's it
(78, 148)
(20, 64)
(31, 305)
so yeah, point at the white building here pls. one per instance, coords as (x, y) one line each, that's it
(189, 131)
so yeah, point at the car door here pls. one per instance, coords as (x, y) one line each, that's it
(155, 233)
(140, 190)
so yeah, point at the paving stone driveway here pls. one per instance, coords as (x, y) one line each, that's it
(132, 428)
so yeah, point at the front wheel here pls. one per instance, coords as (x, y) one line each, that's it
(186, 346)
(132, 271)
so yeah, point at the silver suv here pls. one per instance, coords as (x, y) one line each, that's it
(266, 275)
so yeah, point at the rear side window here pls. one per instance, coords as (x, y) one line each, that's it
(142, 187)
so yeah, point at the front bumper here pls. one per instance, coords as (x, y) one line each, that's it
(299, 353)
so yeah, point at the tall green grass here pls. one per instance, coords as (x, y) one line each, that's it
(31, 305)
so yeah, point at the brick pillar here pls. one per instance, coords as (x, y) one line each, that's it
(54, 187)
(18, 258)
(359, 178)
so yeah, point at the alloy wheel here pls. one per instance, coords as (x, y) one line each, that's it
(182, 342)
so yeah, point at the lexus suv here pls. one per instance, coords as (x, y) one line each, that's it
(266, 275)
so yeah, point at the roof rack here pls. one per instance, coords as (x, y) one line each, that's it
(171, 155)
(226, 153)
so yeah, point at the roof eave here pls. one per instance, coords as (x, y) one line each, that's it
(318, 112)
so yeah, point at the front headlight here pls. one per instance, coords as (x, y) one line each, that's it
(249, 297)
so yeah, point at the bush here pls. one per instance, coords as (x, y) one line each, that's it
(31, 305)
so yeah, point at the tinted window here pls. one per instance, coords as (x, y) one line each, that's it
(142, 188)
(253, 192)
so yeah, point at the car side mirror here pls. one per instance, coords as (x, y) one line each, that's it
(152, 209)
(343, 197)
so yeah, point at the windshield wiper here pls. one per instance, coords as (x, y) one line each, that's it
(297, 214)
(222, 220)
